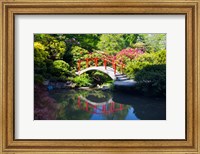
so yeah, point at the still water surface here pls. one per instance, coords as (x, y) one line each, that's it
(106, 105)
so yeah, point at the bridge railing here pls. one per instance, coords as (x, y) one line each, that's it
(106, 59)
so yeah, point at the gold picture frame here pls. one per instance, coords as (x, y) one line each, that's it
(9, 8)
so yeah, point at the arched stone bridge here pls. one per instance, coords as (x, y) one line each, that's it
(119, 78)
(109, 71)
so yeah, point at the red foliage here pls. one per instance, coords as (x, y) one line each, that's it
(130, 53)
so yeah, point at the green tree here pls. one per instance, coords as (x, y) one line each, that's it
(86, 41)
(40, 56)
(78, 53)
(111, 43)
(130, 39)
(153, 42)
(53, 44)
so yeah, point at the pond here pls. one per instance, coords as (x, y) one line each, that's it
(105, 105)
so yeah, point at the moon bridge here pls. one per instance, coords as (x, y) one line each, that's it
(109, 71)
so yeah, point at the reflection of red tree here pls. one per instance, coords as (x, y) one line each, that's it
(44, 106)
(105, 108)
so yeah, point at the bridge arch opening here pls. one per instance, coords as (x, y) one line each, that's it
(97, 73)
(109, 71)
(99, 77)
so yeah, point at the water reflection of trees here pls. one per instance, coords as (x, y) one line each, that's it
(70, 109)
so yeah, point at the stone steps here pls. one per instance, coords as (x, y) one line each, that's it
(121, 77)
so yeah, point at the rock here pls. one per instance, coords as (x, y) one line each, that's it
(46, 82)
(105, 88)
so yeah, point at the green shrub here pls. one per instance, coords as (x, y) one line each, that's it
(149, 71)
(59, 68)
(81, 80)
(133, 67)
(152, 79)
(160, 57)
(144, 60)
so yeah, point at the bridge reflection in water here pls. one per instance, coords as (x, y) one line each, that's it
(106, 110)
(99, 108)
(106, 105)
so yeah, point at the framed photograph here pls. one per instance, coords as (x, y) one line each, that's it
(99, 76)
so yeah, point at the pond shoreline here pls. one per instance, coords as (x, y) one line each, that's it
(56, 85)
